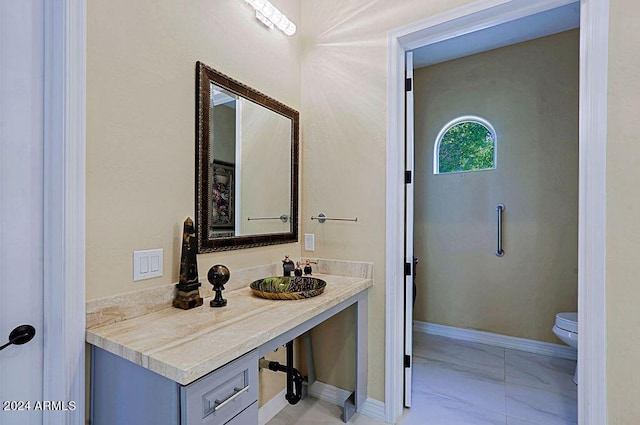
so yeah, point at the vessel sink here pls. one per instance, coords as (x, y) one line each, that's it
(288, 288)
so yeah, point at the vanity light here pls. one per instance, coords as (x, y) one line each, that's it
(270, 16)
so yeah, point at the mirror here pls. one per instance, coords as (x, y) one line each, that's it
(247, 165)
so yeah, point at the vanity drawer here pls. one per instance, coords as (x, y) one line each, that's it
(249, 416)
(222, 395)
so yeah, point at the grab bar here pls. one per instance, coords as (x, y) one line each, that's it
(284, 218)
(500, 210)
(322, 218)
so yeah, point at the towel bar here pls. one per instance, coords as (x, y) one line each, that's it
(322, 218)
(284, 218)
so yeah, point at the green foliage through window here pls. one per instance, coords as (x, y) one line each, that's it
(466, 146)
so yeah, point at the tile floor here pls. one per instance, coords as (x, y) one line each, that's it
(464, 383)
(312, 411)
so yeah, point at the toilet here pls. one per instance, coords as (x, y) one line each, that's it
(566, 328)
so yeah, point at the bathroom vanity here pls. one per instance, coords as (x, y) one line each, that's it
(200, 366)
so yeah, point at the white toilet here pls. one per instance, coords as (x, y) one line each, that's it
(566, 328)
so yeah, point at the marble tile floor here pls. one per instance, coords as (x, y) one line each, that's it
(457, 382)
(464, 383)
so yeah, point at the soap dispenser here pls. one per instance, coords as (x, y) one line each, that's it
(287, 266)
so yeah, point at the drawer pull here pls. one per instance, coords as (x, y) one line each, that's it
(237, 392)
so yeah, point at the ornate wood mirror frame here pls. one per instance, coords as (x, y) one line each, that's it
(205, 77)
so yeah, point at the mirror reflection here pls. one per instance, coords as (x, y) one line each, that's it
(247, 180)
(250, 191)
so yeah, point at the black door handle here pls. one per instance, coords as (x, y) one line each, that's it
(20, 335)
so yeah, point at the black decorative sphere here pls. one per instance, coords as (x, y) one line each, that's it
(218, 275)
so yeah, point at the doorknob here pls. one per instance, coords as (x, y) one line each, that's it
(20, 335)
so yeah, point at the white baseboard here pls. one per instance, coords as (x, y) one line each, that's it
(272, 407)
(334, 395)
(328, 393)
(522, 344)
(371, 408)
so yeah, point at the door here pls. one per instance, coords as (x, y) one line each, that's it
(21, 206)
(408, 257)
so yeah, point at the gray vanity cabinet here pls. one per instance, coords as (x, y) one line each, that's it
(123, 392)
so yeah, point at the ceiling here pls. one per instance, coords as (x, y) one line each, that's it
(534, 26)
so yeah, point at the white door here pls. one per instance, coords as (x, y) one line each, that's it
(408, 257)
(42, 150)
(21, 206)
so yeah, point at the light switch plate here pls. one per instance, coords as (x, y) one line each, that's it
(309, 242)
(147, 264)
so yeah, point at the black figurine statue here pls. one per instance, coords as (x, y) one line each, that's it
(188, 295)
(218, 275)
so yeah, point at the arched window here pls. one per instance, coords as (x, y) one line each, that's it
(465, 144)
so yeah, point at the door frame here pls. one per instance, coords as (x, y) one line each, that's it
(409, 253)
(64, 206)
(594, 26)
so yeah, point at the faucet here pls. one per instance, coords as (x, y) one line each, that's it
(307, 267)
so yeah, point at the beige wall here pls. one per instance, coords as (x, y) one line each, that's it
(623, 210)
(344, 83)
(529, 93)
(141, 59)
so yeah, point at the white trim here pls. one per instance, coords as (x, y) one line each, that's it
(529, 345)
(329, 393)
(372, 408)
(592, 395)
(465, 118)
(64, 227)
(409, 196)
(472, 17)
(394, 254)
(272, 407)
(592, 319)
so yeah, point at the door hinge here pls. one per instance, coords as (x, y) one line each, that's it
(408, 84)
(407, 177)
(407, 360)
(407, 269)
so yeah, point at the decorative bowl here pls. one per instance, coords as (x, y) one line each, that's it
(288, 287)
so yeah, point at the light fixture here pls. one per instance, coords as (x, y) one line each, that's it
(270, 16)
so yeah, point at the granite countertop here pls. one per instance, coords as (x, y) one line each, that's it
(184, 345)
